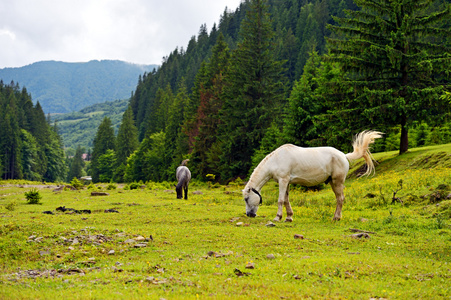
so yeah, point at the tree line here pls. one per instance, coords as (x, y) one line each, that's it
(311, 73)
(30, 148)
(284, 71)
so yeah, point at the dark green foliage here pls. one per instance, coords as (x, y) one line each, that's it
(307, 101)
(33, 197)
(237, 84)
(126, 144)
(104, 140)
(207, 100)
(76, 165)
(222, 101)
(147, 163)
(29, 147)
(106, 166)
(397, 60)
(254, 95)
(271, 141)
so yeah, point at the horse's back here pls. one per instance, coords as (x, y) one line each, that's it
(183, 173)
(309, 166)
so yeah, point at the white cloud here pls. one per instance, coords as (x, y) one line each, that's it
(137, 31)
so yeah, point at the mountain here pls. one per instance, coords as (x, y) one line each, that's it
(62, 87)
(79, 128)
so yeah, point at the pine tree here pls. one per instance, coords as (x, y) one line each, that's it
(77, 165)
(56, 168)
(103, 141)
(397, 62)
(254, 94)
(126, 143)
(208, 92)
(10, 139)
(176, 141)
(30, 158)
(304, 105)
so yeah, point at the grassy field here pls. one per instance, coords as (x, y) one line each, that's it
(393, 242)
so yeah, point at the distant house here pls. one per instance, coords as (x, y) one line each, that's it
(86, 178)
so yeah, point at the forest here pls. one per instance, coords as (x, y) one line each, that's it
(311, 73)
(29, 147)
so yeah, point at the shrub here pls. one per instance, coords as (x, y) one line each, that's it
(76, 183)
(33, 196)
(111, 186)
(132, 186)
(11, 206)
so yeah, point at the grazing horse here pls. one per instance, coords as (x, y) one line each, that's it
(183, 177)
(307, 167)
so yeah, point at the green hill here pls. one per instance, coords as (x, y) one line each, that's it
(62, 87)
(427, 157)
(79, 128)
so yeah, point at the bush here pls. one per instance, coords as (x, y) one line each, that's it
(76, 183)
(33, 196)
(11, 206)
(132, 186)
(111, 186)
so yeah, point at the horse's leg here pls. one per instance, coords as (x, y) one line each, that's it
(186, 192)
(283, 184)
(288, 206)
(337, 185)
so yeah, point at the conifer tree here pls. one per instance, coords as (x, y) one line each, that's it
(254, 94)
(176, 141)
(56, 167)
(103, 141)
(126, 143)
(77, 165)
(208, 92)
(10, 139)
(397, 62)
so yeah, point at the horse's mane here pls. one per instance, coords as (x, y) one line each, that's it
(260, 166)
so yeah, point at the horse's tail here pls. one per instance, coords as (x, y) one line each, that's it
(361, 145)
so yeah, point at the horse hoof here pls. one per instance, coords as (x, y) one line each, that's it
(288, 220)
(336, 218)
(276, 219)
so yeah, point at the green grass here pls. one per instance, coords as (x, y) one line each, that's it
(197, 250)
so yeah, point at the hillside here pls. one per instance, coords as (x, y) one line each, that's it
(62, 87)
(79, 128)
(420, 158)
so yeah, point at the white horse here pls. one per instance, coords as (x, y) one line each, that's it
(307, 167)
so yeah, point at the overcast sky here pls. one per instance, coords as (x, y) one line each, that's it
(136, 31)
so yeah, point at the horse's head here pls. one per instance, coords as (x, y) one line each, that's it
(253, 199)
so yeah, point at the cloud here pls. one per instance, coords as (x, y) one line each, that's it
(136, 31)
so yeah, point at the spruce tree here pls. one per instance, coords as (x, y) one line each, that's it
(103, 141)
(254, 96)
(10, 139)
(126, 143)
(176, 141)
(77, 165)
(56, 167)
(397, 61)
(208, 92)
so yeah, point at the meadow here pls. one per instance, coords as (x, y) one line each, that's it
(393, 242)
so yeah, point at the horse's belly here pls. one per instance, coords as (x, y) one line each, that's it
(309, 176)
(309, 181)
